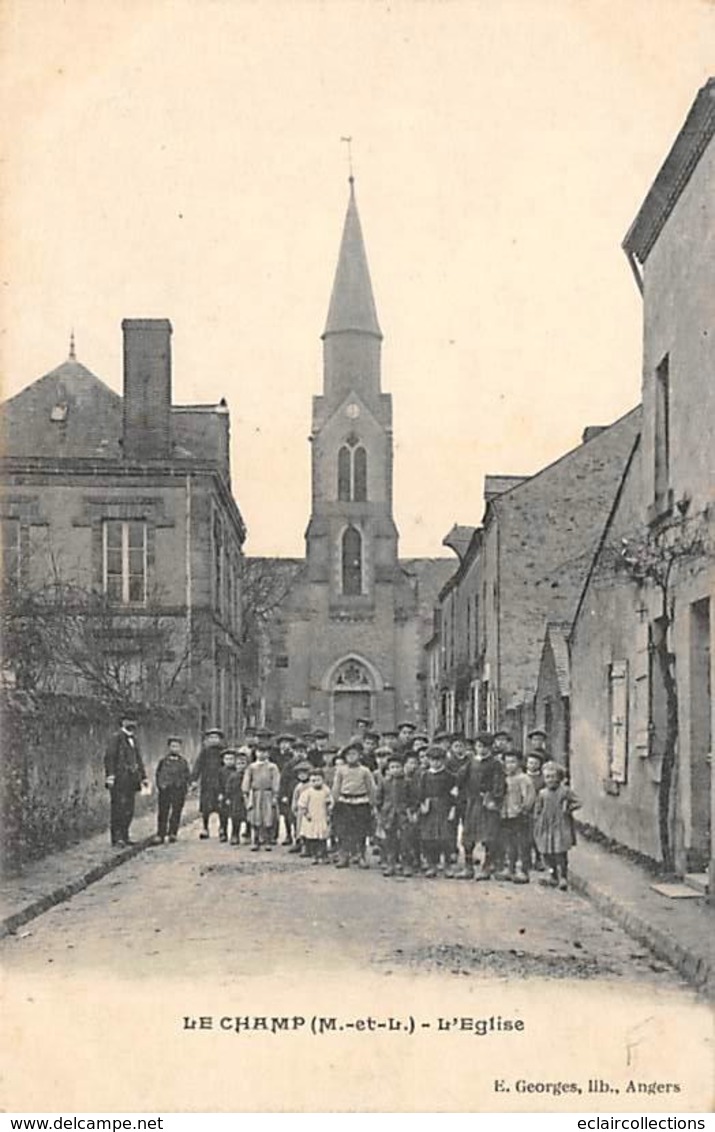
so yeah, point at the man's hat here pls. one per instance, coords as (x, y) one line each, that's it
(264, 733)
(351, 745)
(229, 751)
(537, 731)
(485, 738)
(457, 737)
(127, 717)
(420, 737)
(442, 737)
(213, 731)
(372, 735)
(389, 735)
(174, 739)
(436, 753)
(364, 721)
(395, 757)
(319, 733)
(284, 738)
(407, 723)
(384, 749)
(502, 735)
(304, 766)
(300, 745)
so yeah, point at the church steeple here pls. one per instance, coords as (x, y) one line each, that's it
(352, 337)
(352, 304)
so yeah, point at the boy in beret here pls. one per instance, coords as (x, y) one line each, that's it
(172, 781)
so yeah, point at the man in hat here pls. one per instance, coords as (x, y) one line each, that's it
(206, 771)
(502, 743)
(316, 756)
(537, 745)
(362, 725)
(370, 743)
(457, 763)
(405, 734)
(124, 775)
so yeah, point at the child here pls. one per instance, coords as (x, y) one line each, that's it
(534, 763)
(411, 835)
(228, 769)
(516, 811)
(354, 798)
(437, 810)
(261, 783)
(392, 808)
(172, 781)
(484, 792)
(314, 807)
(231, 798)
(302, 782)
(553, 824)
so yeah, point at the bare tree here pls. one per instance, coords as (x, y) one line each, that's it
(657, 559)
(60, 636)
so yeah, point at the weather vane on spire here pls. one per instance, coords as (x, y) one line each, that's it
(72, 354)
(349, 143)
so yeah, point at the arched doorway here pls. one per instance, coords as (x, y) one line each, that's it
(352, 697)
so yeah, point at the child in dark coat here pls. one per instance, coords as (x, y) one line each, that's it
(437, 812)
(232, 801)
(172, 782)
(392, 815)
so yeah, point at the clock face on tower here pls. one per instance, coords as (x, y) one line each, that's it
(352, 411)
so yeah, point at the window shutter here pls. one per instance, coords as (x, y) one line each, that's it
(618, 699)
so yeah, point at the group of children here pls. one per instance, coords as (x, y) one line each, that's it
(413, 804)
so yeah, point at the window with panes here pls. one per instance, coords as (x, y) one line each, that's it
(124, 561)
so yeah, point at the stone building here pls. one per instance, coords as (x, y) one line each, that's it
(124, 503)
(620, 721)
(524, 567)
(348, 640)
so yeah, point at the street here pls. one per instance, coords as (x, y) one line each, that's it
(196, 906)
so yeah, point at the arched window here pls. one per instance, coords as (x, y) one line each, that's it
(352, 472)
(352, 562)
(360, 475)
(344, 474)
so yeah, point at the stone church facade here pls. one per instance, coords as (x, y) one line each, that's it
(348, 640)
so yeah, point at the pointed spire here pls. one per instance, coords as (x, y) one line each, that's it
(72, 354)
(352, 304)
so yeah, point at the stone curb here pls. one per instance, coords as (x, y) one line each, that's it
(695, 968)
(35, 908)
(63, 892)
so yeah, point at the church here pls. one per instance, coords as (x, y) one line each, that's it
(348, 639)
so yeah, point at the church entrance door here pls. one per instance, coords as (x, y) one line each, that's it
(348, 707)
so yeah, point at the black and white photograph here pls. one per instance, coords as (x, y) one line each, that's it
(358, 556)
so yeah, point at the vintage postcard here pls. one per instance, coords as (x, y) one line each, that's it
(356, 487)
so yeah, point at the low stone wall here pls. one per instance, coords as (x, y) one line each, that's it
(52, 771)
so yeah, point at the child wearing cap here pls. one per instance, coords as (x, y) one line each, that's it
(392, 809)
(206, 771)
(315, 804)
(261, 784)
(354, 798)
(517, 807)
(437, 813)
(231, 799)
(172, 782)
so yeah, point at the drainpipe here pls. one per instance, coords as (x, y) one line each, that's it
(189, 579)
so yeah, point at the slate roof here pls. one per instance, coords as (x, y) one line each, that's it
(71, 413)
(687, 149)
(352, 304)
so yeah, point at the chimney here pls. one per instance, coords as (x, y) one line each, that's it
(591, 431)
(147, 388)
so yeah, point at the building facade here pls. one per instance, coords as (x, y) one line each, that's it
(348, 640)
(523, 568)
(121, 507)
(620, 714)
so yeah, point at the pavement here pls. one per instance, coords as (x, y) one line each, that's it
(680, 932)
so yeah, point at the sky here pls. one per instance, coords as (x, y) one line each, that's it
(182, 159)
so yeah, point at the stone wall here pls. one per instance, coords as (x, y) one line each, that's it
(52, 774)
